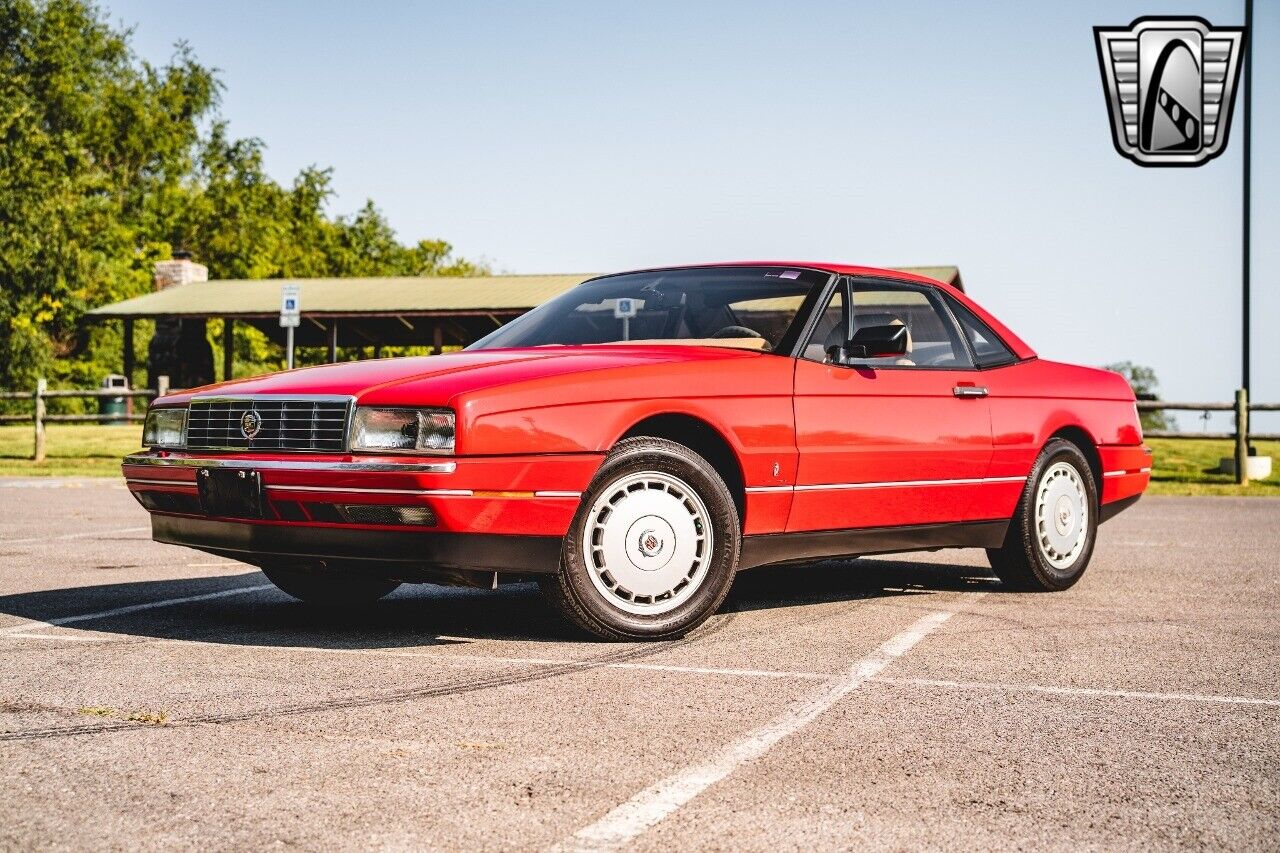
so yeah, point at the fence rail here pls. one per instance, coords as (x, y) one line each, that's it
(40, 416)
(1241, 436)
(40, 413)
(1166, 406)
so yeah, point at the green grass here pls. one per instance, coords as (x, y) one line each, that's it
(72, 450)
(1181, 466)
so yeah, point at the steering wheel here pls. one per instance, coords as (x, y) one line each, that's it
(737, 332)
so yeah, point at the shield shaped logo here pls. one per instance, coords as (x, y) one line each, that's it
(1170, 85)
(250, 424)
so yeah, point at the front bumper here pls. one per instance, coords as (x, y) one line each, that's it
(396, 553)
(491, 513)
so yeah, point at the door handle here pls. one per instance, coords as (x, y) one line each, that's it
(969, 391)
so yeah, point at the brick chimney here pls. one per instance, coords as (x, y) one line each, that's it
(180, 270)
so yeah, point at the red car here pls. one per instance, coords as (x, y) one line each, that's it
(634, 442)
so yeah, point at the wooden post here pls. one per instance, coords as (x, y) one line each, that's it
(228, 348)
(162, 385)
(1242, 436)
(437, 340)
(128, 365)
(41, 386)
(333, 342)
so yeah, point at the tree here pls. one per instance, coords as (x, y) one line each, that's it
(88, 134)
(1145, 386)
(105, 168)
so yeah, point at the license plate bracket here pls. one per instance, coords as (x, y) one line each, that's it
(230, 492)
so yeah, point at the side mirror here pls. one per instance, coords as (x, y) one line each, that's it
(872, 342)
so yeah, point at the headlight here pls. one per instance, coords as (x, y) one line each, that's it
(165, 428)
(403, 430)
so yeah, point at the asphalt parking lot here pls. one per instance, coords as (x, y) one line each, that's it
(155, 697)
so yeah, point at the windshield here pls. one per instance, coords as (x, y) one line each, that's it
(742, 307)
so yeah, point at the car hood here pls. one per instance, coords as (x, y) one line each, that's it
(435, 380)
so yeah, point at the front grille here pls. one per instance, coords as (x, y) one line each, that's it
(169, 502)
(384, 514)
(283, 424)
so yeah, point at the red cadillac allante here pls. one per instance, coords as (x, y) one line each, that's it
(636, 441)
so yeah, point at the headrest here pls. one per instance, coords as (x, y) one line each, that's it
(887, 320)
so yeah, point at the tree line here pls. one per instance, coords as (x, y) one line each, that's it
(109, 163)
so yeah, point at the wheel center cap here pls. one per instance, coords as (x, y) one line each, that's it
(650, 543)
(1063, 515)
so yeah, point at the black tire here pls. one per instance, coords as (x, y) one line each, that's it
(1024, 562)
(329, 588)
(601, 612)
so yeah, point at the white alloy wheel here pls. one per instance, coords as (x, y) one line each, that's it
(647, 543)
(1062, 515)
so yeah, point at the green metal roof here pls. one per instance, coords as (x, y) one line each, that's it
(362, 297)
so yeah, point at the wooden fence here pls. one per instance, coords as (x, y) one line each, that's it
(40, 416)
(1241, 435)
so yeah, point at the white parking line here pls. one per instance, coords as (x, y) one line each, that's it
(649, 807)
(1082, 691)
(75, 638)
(802, 675)
(472, 660)
(648, 667)
(56, 483)
(88, 535)
(455, 659)
(131, 608)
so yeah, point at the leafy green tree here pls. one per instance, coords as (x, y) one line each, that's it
(1145, 386)
(105, 168)
(87, 135)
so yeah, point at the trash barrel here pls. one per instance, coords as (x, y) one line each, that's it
(108, 405)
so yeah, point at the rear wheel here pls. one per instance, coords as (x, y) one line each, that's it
(329, 588)
(653, 548)
(1051, 536)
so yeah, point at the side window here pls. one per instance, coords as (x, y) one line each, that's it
(988, 349)
(829, 329)
(932, 341)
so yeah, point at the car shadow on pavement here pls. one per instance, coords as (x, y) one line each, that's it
(214, 610)
(800, 584)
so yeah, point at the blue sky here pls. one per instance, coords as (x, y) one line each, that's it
(567, 137)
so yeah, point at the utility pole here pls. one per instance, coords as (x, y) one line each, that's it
(1248, 133)
(1242, 401)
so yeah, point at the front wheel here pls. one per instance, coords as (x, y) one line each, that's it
(329, 588)
(1051, 535)
(653, 548)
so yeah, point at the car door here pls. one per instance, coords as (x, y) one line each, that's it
(1016, 402)
(890, 441)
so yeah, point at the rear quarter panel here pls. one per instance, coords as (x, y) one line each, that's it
(1032, 400)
